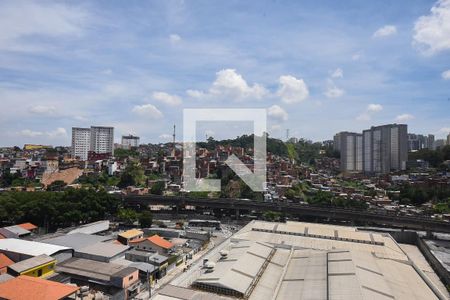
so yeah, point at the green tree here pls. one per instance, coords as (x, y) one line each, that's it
(133, 175)
(127, 215)
(158, 188)
(56, 186)
(145, 219)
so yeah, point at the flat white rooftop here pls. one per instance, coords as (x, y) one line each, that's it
(29, 247)
(296, 260)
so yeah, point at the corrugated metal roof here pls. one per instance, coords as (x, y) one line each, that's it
(29, 247)
(92, 228)
(76, 240)
(31, 263)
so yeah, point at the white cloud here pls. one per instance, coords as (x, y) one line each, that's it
(195, 93)
(278, 113)
(444, 130)
(385, 31)
(334, 92)
(172, 100)
(292, 90)
(338, 73)
(165, 136)
(432, 32)
(30, 133)
(364, 117)
(58, 132)
(230, 85)
(356, 56)
(370, 111)
(42, 109)
(40, 19)
(374, 107)
(275, 127)
(210, 132)
(446, 75)
(404, 117)
(147, 110)
(174, 38)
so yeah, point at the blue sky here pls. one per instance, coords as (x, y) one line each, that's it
(319, 67)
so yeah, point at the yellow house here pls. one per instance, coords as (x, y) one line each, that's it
(38, 266)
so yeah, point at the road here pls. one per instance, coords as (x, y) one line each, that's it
(364, 216)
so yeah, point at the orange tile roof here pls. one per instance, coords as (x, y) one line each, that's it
(5, 261)
(159, 241)
(28, 226)
(27, 287)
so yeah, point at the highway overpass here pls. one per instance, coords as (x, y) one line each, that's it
(382, 219)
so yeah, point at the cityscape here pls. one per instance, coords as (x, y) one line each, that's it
(118, 180)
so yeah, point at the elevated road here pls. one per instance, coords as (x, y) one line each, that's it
(387, 219)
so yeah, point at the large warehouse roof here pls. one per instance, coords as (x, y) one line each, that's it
(29, 247)
(314, 261)
(76, 240)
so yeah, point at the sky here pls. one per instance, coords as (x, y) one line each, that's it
(318, 67)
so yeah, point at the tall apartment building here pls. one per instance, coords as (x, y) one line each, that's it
(81, 142)
(448, 139)
(350, 146)
(418, 141)
(97, 139)
(385, 148)
(377, 150)
(130, 141)
(102, 139)
(439, 143)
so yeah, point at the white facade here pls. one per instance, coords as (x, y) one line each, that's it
(102, 139)
(81, 142)
(97, 139)
(130, 141)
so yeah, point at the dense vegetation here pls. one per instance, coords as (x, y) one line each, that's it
(434, 157)
(417, 195)
(57, 209)
(274, 146)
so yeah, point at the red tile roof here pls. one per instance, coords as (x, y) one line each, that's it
(28, 226)
(159, 241)
(27, 287)
(5, 261)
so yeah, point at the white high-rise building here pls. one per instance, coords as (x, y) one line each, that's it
(385, 148)
(350, 146)
(102, 139)
(130, 141)
(378, 150)
(97, 139)
(81, 142)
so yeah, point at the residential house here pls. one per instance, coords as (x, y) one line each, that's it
(5, 261)
(129, 236)
(153, 243)
(27, 287)
(38, 266)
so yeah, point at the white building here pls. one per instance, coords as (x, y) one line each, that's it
(81, 142)
(350, 146)
(97, 139)
(129, 141)
(102, 139)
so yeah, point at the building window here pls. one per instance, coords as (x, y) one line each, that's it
(130, 278)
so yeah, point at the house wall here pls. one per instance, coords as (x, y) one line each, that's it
(41, 271)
